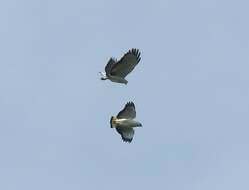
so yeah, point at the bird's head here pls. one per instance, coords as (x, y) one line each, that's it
(103, 76)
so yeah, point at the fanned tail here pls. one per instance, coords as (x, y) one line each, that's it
(112, 121)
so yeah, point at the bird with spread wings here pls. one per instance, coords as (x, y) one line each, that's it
(116, 71)
(124, 122)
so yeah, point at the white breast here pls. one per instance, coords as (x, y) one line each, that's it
(127, 122)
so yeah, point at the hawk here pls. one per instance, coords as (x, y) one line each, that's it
(124, 122)
(116, 71)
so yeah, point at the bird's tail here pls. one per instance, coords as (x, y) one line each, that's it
(112, 121)
(139, 124)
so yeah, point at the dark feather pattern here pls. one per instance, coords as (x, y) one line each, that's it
(126, 134)
(109, 66)
(126, 64)
(129, 111)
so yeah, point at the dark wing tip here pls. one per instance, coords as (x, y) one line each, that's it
(130, 104)
(136, 53)
(127, 140)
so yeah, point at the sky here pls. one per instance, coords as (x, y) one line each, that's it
(190, 90)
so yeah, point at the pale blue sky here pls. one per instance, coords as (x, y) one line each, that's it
(190, 89)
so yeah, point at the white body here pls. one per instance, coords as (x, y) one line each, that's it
(125, 123)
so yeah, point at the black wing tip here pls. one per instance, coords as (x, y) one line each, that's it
(112, 60)
(135, 52)
(127, 140)
(130, 103)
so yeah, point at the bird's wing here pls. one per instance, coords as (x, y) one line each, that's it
(126, 64)
(126, 133)
(109, 66)
(129, 111)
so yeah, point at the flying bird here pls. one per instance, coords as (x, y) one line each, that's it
(116, 71)
(124, 122)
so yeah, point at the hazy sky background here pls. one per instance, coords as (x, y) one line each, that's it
(190, 90)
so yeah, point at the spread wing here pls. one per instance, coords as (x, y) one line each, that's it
(109, 66)
(126, 133)
(126, 64)
(129, 111)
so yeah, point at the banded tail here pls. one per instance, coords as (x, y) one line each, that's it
(112, 121)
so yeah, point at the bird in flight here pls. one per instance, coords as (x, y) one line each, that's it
(124, 122)
(116, 71)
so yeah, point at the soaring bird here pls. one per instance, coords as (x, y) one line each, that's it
(124, 122)
(116, 71)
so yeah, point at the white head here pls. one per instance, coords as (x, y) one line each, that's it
(103, 76)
